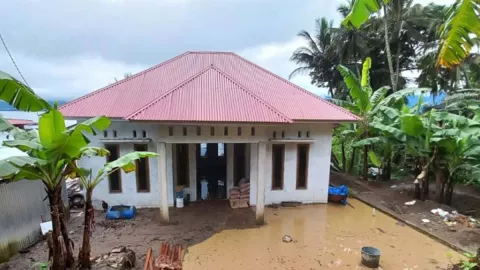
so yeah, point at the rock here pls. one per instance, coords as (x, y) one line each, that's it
(119, 249)
(287, 239)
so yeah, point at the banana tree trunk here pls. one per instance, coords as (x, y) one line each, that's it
(352, 161)
(365, 163)
(439, 183)
(387, 49)
(84, 253)
(344, 158)
(60, 245)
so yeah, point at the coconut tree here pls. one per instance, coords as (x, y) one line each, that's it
(318, 58)
(125, 163)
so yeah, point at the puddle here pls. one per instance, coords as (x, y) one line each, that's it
(324, 236)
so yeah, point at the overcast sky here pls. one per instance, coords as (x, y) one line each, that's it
(66, 49)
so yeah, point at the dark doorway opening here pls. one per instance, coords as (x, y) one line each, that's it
(182, 165)
(239, 161)
(212, 168)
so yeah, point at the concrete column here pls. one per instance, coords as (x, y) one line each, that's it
(162, 181)
(230, 165)
(262, 154)
(192, 170)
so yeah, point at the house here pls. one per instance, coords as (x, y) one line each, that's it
(214, 117)
(19, 123)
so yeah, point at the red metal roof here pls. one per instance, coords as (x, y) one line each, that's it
(207, 87)
(21, 122)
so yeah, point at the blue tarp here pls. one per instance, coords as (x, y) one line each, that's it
(340, 190)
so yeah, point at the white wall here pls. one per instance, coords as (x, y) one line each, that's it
(319, 161)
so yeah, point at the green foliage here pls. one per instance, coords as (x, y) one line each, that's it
(361, 11)
(456, 33)
(20, 96)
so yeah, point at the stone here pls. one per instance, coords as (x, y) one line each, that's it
(287, 239)
(119, 249)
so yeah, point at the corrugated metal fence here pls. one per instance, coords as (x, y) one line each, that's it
(21, 207)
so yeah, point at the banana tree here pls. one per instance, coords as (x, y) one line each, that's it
(48, 154)
(459, 32)
(125, 163)
(363, 102)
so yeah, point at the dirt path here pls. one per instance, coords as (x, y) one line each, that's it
(391, 200)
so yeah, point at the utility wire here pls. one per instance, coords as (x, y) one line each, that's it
(13, 61)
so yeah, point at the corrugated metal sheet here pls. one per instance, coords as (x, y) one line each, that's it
(228, 103)
(21, 207)
(129, 96)
(20, 122)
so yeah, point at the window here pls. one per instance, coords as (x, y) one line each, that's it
(212, 131)
(114, 133)
(115, 178)
(170, 131)
(199, 131)
(221, 150)
(308, 134)
(144, 134)
(274, 135)
(184, 131)
(134, 134)
(302, 165)
(283, 134)
(142, 170)
(299, 134)
(239, 131)
(203, 150)
(252, 131)
(278, 158)
(105, 134)
(225, 131)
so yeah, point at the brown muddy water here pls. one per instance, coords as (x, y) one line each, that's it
(324, 236)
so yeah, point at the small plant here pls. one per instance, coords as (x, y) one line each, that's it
(42, 265)
(471, 264)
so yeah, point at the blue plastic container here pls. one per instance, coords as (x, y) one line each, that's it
(121, 212)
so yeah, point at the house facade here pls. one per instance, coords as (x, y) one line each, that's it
(213, 118)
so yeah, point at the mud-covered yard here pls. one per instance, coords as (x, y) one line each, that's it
(190, 225)
(391, 197)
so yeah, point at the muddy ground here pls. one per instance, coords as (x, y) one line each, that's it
(382, 195)
(189, 226)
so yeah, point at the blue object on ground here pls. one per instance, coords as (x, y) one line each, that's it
(121, 212)
(370, 257)
(340, 190)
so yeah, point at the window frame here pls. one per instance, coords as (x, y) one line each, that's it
(147, 168)
(307, 160)
(117, 146)
(282, 178)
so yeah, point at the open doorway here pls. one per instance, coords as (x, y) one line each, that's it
(239, 161)
(212, 169)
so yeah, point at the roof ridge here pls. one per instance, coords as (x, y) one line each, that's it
(143, 72)
(173, 89)
(266, 104)
(298, 87)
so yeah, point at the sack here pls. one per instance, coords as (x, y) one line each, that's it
(244, 186)
(234, 197)
(245, 190)
(245, 197)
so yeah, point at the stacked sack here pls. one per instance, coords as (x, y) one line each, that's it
(244, 187)
(240, 196)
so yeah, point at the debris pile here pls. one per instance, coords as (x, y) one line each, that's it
(119, 258)
(452, 218)
(170, 258)
(240, 196)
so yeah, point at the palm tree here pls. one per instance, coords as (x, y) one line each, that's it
(318, 58)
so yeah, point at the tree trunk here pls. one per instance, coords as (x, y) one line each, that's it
(439, 183)
(344, 158)
(448, 192)
(84, 253)
(365, 163)
(387, 49)
(61, 247)
(352, 161)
